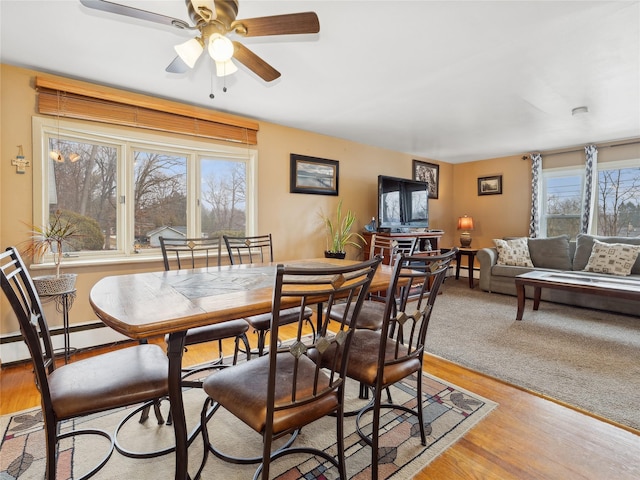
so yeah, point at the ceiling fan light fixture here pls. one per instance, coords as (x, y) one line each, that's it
(190, 51)
(56, 156)
(225, 68)
(74, 157)
(220, 48)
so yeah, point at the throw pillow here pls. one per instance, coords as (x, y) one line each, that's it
(552, 252)
(612, 258)
(584, 246)
(513, 252)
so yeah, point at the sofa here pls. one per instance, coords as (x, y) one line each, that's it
(556, 254)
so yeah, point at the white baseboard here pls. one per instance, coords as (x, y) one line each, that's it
(18, 351)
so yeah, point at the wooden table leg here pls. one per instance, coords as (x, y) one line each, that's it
(175, 348)
(458, 259)
(536, 297)
(472, 261)
(521, 299)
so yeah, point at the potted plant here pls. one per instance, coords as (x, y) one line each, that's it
(52, 238)
(339, 233)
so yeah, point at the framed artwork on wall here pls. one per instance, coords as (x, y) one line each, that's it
(490, 185)
(313, 175)
(427, 172)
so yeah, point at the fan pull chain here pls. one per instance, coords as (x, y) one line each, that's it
(211, 95)
(224, 87)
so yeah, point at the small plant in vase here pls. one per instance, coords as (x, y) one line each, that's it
(339, 233)
(52, 238)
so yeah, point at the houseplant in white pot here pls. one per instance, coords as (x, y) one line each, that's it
(339, 233)
(52, 238)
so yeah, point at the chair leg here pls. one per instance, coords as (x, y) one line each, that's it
(51, 447)
(342, 467)
(374, 434)
(419, 407)
(262, 338)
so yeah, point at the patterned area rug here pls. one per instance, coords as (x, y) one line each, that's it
(450, 412)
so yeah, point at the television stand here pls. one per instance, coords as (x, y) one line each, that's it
(430, 237)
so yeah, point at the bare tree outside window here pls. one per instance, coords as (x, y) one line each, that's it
(619, 202)
(223, 192)
(125, 192)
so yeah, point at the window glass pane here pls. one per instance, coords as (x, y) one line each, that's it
(562, 205)
(160, 197)
(223, 206)
(82, 184)
(619, 202)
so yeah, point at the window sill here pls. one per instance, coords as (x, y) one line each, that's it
(98, 261)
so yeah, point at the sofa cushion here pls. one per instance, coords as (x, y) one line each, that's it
(552, 252)
(584, 246)
(513, 252)
(612, 258)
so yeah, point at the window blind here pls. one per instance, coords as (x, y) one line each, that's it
(74, 99)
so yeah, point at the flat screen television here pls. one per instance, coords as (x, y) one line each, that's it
(403, 204)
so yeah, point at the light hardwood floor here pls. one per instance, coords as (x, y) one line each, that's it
(526, 437)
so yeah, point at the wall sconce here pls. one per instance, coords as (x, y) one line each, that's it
(465, 223)
(19, 162)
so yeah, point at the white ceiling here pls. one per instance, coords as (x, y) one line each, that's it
(454, 81)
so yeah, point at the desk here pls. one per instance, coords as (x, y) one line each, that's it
(142, 305)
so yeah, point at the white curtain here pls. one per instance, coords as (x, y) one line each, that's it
(590, 197)
(536, 171)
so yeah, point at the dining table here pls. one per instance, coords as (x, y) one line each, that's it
(143, 305)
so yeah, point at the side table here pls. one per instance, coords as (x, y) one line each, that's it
(64, 302)
(470, 253)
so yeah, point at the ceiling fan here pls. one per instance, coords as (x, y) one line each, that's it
(214, 19)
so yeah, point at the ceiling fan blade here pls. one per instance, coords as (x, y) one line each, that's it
(177, 65)
(254, 63)
(135, 13)
(288, 24)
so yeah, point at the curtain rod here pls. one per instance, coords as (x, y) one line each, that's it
(619, 143)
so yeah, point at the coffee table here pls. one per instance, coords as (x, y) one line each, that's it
(610, 286)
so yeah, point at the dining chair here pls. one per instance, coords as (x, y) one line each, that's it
(373, 308)
(380, 358)
(302, 379)
(185, 253)
(119, 378)
(259, 249)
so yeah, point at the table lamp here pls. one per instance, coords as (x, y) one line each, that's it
(465, 223)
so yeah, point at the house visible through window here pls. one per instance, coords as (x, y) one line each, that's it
(125, 188)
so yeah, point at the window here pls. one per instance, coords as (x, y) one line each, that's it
(126, 188)
(618, 200)
(561, 202)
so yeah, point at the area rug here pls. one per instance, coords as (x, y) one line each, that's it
(585, 358)
(450, 412)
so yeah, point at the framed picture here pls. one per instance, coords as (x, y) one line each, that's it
(314, 175)
(490, 185)
(427, 172)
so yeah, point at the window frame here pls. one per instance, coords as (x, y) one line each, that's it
(578, 171)
(129, 139)
(555, 173)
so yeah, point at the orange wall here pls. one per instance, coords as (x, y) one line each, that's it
(494, 216)
(292, 218)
